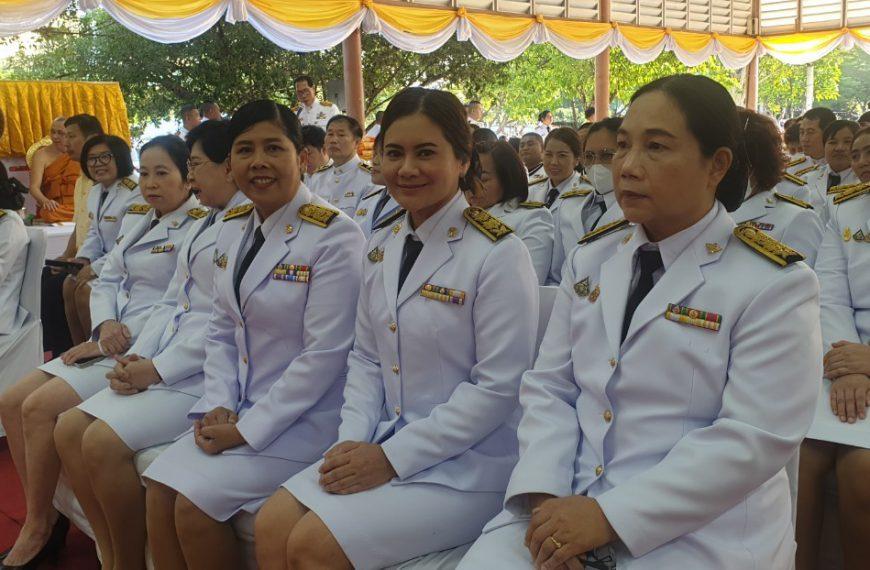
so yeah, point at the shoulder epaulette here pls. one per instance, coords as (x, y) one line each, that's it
(324, 167)
(317, 215)
(489, 225)
(365, 167)
(575, 193)
(531, 205)
(760, 242)
(375, 193)
(859, 190)
(843, 188)
(238, 211)
(803, 171)
(794, 179)
(326, 103)
(537, 180)
(796, 161)
(2, 213)
(197, 213)
(129, 183)
(389, 220)
(295, 108)
(604, 230)
(793, 200)
(139, 209)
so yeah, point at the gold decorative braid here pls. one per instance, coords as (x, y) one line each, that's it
(604, 230)
(317, 215)
(489, 225)
(773, 250)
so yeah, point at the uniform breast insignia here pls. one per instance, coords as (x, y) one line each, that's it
(291, 272)
(197, 213)
(580, 192)
(847, 234)
(362, 212)
(118, 239)
(489, 225)
(796, 161)
(139, 209)
(842, 188)
(794, 179)
(604, 230)
(593, 296)
(238, 211)
(452, 232)
(582, 287)
(220, 260)
(110, 219)
(537, 180)
(376, 255)
(766, 246)
(317, 215)
(694, 317)
(763, 226)
(532, 205)
(806, 170)
(129, 183)
(165, 248)
(847, 195)
(860, 236)
(349, 194)
(713, 248)
(443, 294)
(793, 200)
(321, 115)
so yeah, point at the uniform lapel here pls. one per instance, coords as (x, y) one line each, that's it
(110, 197)
(615, 281)
(392, 263)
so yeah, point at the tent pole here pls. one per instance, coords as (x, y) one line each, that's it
(353, 78)
(602, 71)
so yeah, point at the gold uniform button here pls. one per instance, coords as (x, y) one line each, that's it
(393, 327)
(613, 363)
(398, 411)
(186, 307)
(395, 368)
(599, 470)
(245, 359)
(608, 415)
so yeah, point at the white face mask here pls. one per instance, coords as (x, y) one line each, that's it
(601, 178)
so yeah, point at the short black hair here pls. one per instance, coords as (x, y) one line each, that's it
(306, 78)
(534, 135)
(174, 147)
(543, 114)
(821, 114)
(352, 124)
(865, 118)
(837, 126)
(187, 109)
(208, 106)
(793, 133)
(120, 152)
(89, 125)
(265, 110)
(515, 142)
(312, 135)
(214, 137)
(568, 137)
(508, 169)
(589, 113)
(611, 124)
(483, 135)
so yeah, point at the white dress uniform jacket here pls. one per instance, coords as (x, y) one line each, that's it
(365, 212)
(681, 431)
(343, 186)
(532, 223)
(13, 259)
(539, 192)
(785, 219)
(803, 164)
(106, 218)
(536, 171)
(317, 114)
(843, 265)
(577, 215)
(817, 189)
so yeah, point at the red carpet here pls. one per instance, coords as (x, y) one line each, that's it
(79, 553)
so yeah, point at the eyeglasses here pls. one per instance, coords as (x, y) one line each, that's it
(100, 159)
(191, 166)
(602, 157)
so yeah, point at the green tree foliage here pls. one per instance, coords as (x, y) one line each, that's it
(782, 88)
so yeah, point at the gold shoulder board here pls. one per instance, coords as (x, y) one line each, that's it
(197, 213)
(317, 215)
(326, 103)
(531, 205)
(389, 220)
(324, 167)
(793, 200)
(803, 171)
(139, 209)
(537, 180)
(604, 230)
(129, 183)
(794, 179)
(365, 167)
(843, 188)
(2, 213)
(575, 193)
(489, 225)
(774, 250)
(238, 211)
(859, 190)
(796, 161)
(295, 108)
(372, 194)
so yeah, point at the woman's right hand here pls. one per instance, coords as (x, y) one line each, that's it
(50, 205)
(850, 396)
(114, 337)
(81, 351)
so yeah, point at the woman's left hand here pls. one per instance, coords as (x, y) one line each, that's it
(353, 466)
(81, 351)
(847, 358)
(566, 528)
(215, 439)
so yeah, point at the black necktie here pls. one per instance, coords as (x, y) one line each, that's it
(103, 195)
(552, 195)
(649, 260)
(249, 257)
(154, 223)
(833, 180)
(409, 256)
(379, 207)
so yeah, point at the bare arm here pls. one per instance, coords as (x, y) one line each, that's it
(40, 161)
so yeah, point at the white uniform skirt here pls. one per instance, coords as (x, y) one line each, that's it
(87, 380)
(221, 485)
(143, 420)
(396, 522)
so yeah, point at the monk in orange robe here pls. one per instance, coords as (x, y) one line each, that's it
(53, 176)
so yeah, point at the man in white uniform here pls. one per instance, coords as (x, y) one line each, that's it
(309, 110)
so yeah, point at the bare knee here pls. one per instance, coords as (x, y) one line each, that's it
(274, 522)
(69, 289)
(39, 407)
(70, 428)
(12, 400)
(853, 474)
(102, 448)
(311, 545)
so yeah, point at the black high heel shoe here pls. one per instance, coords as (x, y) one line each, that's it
(49, 552)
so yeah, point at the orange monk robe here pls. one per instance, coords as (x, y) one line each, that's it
(58, 184)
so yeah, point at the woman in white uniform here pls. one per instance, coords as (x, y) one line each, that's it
(445, 327)
(783, 217)
(276, 350)
(13, 259)
(155, 384)
(678, 372)
(502, 190)
(562, 154)
(378, 205)
(581, 213)
(133, 279)
(839, 439)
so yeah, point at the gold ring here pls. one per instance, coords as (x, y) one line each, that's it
(556, 542)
